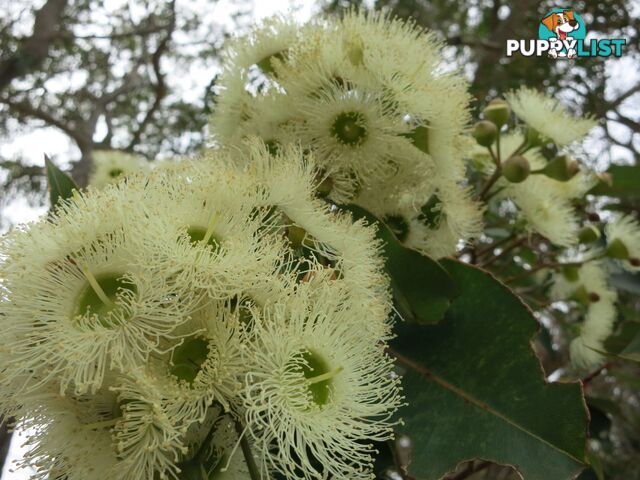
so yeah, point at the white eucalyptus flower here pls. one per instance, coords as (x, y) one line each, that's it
(548, 116)
(110, 166)
(623, 240)
(318, 391)
(81, 300)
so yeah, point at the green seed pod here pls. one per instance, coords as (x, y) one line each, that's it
(562, 168)
(498, 112)
(516, 169)
(485, 133)
(589, 234)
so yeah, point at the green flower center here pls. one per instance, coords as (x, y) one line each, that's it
(431, 212)
(267, 65)
(116, 172)
(420, 138)
(350, 128)
(188, 357)
(317, 374)
(102, 296)
(272, 146)
(398, 225)
(203, 235)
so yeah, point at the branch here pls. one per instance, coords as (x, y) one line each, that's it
(515, 244)
(139, 32)
(25, 109)
(622, 97)
(34, 49)
(160, 88)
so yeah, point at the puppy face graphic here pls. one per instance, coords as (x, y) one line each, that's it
(561, 23)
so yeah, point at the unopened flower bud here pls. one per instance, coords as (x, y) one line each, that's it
(498, 112)
(516, 169)
(589, 234)
(485, 133)
(617, 249)
(561, 168)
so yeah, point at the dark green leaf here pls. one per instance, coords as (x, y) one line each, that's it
(61, 185)
(632, 351)
(625, 182)
(623, 337)
(422, 289)
(475, 388)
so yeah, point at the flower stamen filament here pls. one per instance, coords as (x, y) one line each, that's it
(96, 287)
(325, 376)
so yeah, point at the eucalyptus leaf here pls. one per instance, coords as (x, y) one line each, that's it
(422, 289)
(61, 185)
(475, 388)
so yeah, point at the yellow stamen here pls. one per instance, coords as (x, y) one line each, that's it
(96, 287)
(325, 376)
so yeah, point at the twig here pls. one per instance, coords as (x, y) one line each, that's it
(494, 245)
(506, 250)
(537, 268)
(595, 373)
(497, 172)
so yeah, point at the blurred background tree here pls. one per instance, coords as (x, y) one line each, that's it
(108, 75)
(138, 77)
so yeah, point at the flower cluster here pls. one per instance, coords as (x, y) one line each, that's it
(542, 190)
(370, 98)
(151, 325)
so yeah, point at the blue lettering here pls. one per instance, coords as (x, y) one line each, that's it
(581, 51)
(618, 43)
(604, 48)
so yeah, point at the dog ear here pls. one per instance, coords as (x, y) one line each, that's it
(569, 14)
(550, 22)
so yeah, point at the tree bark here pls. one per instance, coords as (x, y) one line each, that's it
(34, 49)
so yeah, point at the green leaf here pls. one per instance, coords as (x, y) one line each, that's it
(475, 388)
(632, 351)
(625, 182)
(61, 185)
(421, 288)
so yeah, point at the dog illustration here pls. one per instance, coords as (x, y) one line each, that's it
(561, 23)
